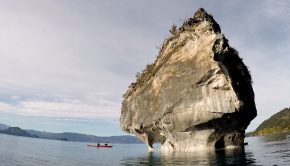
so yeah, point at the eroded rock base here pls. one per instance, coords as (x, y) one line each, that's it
(198, 140)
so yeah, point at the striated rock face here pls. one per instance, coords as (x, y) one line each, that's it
(197, 94)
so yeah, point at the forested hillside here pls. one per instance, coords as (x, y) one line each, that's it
(279, 122)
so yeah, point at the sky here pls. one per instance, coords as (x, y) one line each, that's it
(65, 64)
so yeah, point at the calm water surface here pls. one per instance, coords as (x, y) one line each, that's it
(21, 151)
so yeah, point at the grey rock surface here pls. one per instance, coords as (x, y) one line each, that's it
(196, 95)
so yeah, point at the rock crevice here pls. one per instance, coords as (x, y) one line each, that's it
(197, 94)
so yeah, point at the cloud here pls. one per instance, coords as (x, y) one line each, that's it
(67, 109)
(63, 52)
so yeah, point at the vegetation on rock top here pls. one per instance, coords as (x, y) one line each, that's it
(189, 25)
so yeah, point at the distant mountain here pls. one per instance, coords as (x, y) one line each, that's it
(279, 122)
(17, 132)
(3, 126)
(67, 136)
(124, 139)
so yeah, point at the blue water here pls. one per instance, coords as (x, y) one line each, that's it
(22, 151)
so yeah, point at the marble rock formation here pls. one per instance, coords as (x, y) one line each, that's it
(196, 95)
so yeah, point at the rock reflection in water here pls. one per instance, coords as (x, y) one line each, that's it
(220, 157)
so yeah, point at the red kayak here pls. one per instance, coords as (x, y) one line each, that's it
(100, 146)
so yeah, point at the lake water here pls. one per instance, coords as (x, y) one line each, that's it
(21, 151)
